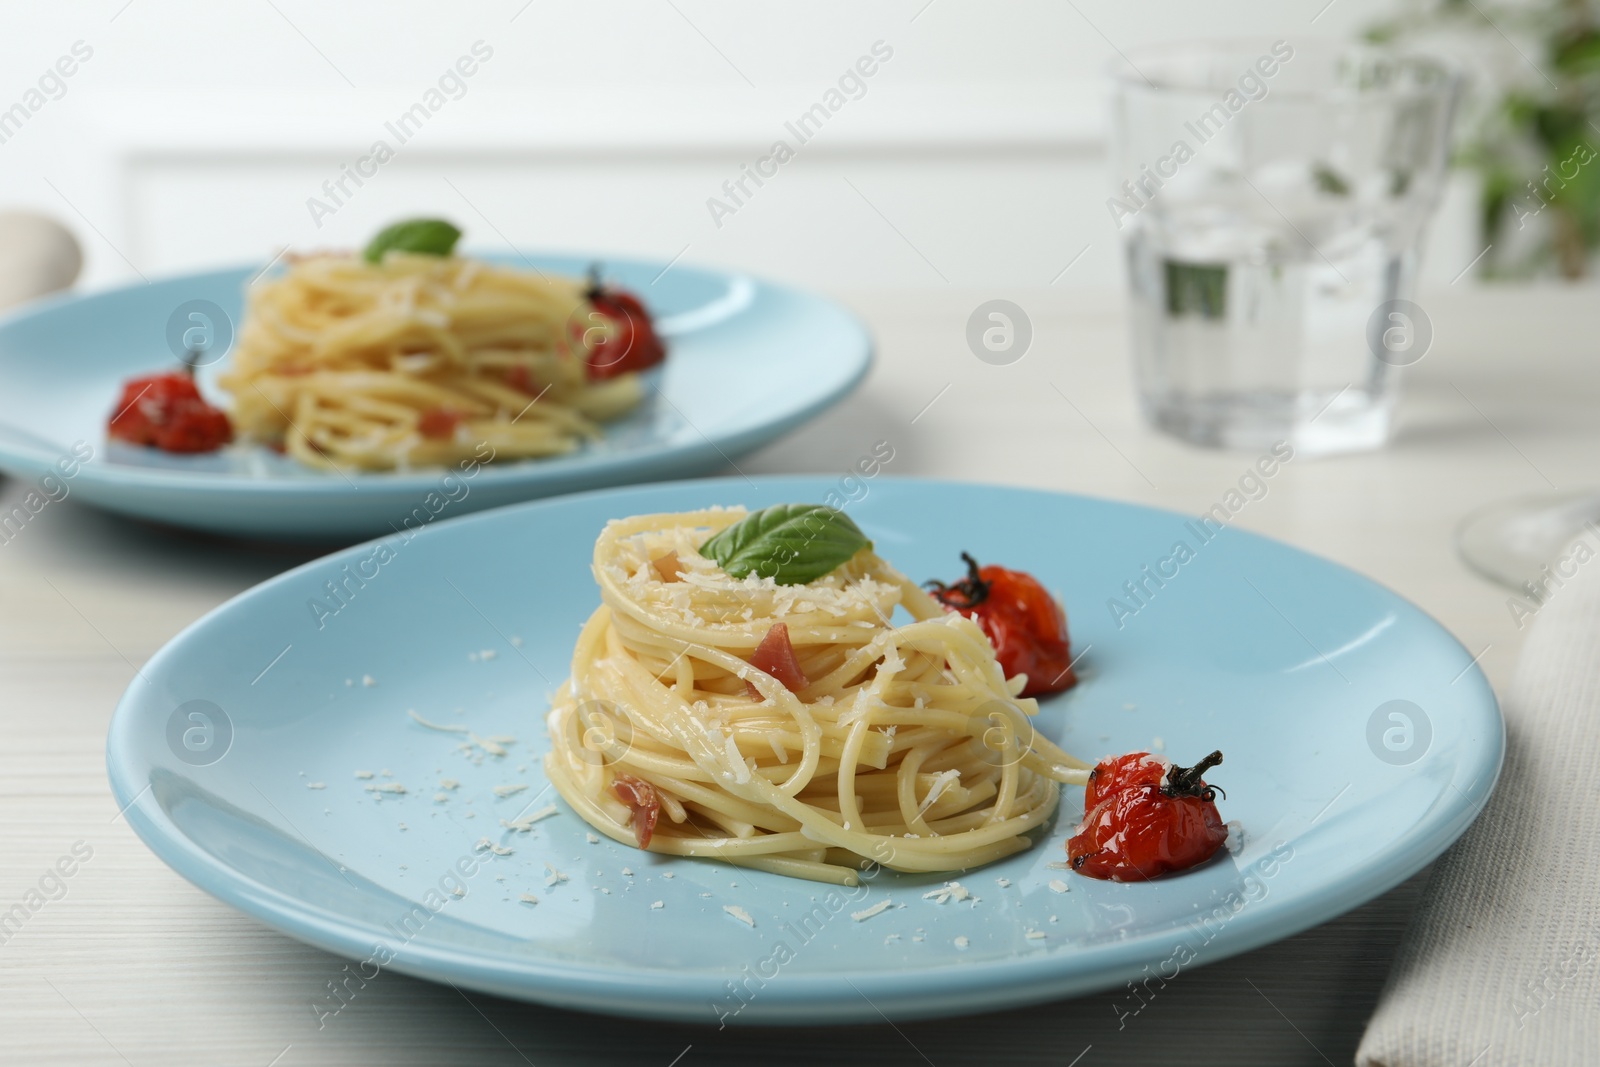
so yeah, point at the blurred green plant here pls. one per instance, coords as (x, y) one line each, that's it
(1531, 126)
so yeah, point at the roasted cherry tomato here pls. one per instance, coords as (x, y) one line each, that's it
(623, 339)
(1143, 816)
(1024, 623)
(166, 411)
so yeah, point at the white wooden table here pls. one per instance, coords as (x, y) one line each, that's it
(133, 965)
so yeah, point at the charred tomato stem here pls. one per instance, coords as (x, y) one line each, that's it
(972, 590)
(1185, 781)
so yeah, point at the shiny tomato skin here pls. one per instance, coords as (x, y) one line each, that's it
(1134, 830)
(1116, 773)
(631, 344)
(1138, 834)
(166, 411)
(1023, 622)
(197, 430)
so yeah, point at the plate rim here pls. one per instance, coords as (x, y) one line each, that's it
(1012, 982)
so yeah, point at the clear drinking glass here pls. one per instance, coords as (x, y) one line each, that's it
(1272, 198)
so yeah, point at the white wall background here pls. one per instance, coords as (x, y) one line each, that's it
(197, 132)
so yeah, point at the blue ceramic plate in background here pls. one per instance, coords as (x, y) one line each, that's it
(747, 362)
(1360, 741)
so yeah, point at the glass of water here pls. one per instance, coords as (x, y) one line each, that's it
(1272, 197)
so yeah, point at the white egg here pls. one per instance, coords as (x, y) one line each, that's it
(38, 256)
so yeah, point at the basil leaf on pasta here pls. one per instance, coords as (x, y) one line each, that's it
(790, 543)
(428, 237)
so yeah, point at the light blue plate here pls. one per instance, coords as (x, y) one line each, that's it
(1286, 662)
(747, 362)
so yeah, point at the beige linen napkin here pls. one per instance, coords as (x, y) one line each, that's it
(38, 256)
(1501, 964)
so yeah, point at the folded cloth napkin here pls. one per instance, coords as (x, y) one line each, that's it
(1501, 964)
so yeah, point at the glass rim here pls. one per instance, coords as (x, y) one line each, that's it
(1447, 76)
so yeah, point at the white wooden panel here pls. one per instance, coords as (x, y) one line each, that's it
(195, 133)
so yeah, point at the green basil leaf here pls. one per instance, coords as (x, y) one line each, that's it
(428, 237)
(790, 543)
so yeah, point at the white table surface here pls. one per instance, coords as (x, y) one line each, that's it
(134, 965)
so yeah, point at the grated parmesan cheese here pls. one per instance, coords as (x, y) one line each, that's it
(524, 823)
(740, 914)
(494, 746)
(433, 725)
(877, 909)
(948, 892)
(941, 782)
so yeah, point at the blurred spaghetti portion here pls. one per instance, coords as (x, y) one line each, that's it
(415, 360)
